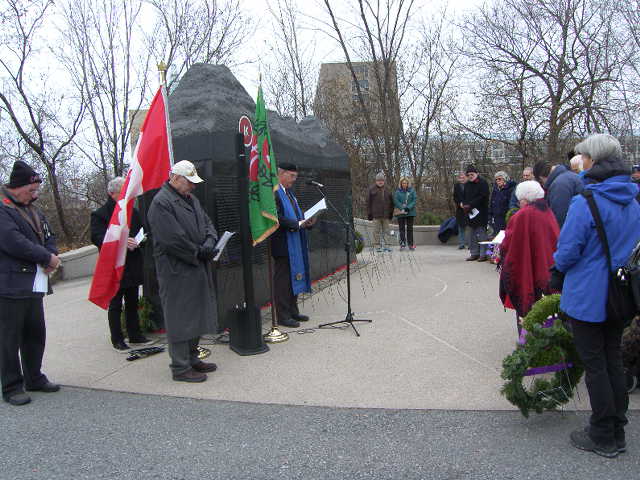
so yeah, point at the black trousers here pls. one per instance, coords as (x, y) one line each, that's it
(286, 301)
(22, 339)
(598, 345)
(130, 296)
(405, 225)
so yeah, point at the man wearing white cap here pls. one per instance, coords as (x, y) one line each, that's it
(184, 246)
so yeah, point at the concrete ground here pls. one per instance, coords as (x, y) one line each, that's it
(415, 396)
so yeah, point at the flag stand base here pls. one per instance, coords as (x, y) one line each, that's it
(275, 336)
(203, 353)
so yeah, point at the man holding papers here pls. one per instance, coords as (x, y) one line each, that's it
(184, 246)
(290, 250)
(132, 277)
(27, 255)
(475, 205)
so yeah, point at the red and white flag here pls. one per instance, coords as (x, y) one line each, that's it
(152, 160)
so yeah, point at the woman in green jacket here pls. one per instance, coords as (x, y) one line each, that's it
(404, 200)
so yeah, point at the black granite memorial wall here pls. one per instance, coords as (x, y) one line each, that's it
(205, 110)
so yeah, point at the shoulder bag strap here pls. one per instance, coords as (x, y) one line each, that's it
(588, 195)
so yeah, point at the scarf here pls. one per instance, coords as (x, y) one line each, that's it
(297, 246)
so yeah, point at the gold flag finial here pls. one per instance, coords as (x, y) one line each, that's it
(162, 69)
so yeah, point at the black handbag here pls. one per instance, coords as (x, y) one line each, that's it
(623, 299)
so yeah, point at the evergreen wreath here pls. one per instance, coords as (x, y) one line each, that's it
(510, 213)
(545, 346)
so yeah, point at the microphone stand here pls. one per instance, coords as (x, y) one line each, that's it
(347, 248)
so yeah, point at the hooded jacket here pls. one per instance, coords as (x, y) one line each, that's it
(580, 254)
(561, 186)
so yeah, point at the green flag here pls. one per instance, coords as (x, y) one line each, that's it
(263, 177)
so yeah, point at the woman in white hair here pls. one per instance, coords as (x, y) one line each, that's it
(527, 250)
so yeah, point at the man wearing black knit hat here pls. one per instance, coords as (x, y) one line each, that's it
(476, 208)
(27, 255)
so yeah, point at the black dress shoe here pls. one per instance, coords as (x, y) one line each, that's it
(190, 376)
(48, 387)
(482, 259)
(299, 317)
(18, 399)
(473, 258)
(204, 367)
(289, 322)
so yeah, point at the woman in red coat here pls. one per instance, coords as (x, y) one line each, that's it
(527, 251)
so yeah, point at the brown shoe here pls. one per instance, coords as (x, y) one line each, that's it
(204, 367)
(482, 259)
(190, 376)
(473, 258)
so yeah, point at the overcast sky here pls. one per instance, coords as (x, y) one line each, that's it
(326, 50)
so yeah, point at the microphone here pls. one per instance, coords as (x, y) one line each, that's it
(313, 182)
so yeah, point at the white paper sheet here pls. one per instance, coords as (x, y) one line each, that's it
(316, 209)
(41, 281)
(222, 242)
(473, 213)
(140, 237)
(496, 240)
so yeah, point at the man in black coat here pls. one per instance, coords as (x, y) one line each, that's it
(476, 208)
(291, 225)
(458, 199)
(27, 255)
(132, 277)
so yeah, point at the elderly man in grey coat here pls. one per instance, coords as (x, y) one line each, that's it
(184, 246)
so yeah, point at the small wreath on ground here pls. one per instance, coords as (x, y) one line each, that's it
(548, 348)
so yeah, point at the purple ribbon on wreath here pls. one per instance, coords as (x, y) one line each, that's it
(556, 367)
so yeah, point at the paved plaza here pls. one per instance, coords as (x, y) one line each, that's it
(415, 396)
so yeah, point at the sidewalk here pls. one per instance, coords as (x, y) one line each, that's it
(437, 341)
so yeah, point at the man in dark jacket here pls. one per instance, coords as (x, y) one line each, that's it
(560, 185)
(132, 277)
(380, 211)
(290, 250)
(476, 207)
(184, 247)
(458, 199)
(27, 255)
(527, 174)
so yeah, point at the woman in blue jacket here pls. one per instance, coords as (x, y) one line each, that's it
(404, 199)
(581, 257)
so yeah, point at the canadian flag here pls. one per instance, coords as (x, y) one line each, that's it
(152, 160)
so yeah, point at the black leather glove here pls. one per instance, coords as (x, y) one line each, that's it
(556, 280)
(205, 251)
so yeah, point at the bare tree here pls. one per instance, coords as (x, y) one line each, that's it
(291, 73)
(195, 31)
(371, 42)
(44, 120)
(101, 52)
(548, 67)
(430, 95)
(629, 87)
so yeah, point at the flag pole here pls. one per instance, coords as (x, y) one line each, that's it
(245, 337)
(275, 335)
